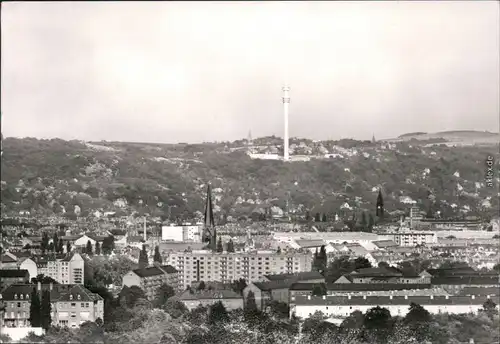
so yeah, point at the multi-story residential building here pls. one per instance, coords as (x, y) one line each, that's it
(71, 304)
(225, 267)
(66, 270)
(10, 276)
(342, 306)
(412, 238)
(150, 279)
(206, 298)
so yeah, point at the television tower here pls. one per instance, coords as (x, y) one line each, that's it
(286, 103)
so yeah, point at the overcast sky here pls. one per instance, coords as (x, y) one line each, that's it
(192, 72)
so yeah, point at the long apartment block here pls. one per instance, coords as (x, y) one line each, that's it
(225, 267)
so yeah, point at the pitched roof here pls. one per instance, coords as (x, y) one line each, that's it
(482, 291)
(8, 259)
(169, 269)
(279, 284)
(388, 300)
(306, 243)
(148, 272)
(299, 276)
(5, 273)
(59, 292)
(460, 280)
(376, 272)
(384, 243)
(361, 286)
(209, 294)
(155, 270)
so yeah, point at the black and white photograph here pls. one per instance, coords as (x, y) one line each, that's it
(250, 172)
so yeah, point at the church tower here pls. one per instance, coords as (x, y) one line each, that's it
(209, 233)
(380, 204)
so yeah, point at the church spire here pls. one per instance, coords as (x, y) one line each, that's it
(209, 233)
(380, 204)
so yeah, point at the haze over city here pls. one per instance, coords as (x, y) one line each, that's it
(191, 72)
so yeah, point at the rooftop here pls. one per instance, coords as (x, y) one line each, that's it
(209, 294)
(300, 276)
(5, 273)
(59, 292)
(361, 286)
(391, 300)
(155, 271)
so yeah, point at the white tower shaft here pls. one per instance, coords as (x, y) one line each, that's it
(145, 237)
(286, 104)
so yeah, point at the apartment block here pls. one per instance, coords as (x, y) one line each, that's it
(67, 270)
(411, 238)
(225, 267)
(150, 279)
(72, 305)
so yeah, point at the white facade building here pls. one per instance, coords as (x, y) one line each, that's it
(343, 306)
(68, 270)
(172, 233)
(181, 233)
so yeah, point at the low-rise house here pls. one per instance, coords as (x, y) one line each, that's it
(455, 284)
(384, 275)
(298, 289)
(206, 298)
(11, 276)
(342, 306)
(276, 287)
(72, 305)
(150, 279)
(82, 241)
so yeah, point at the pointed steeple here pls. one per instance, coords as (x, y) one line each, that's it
(209, 234)
(373, 139)
(379, 211)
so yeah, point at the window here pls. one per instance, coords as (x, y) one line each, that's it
(21, 296)
(73, 305)
(15, 296)
(19, 304)
(82, 305)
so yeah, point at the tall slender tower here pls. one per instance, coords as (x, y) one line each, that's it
(145, 237)
(209, 234)
(286, 104)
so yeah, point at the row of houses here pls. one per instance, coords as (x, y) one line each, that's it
(377, 281)
(340, 307)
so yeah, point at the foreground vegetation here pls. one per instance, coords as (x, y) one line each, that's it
(133, 320)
